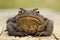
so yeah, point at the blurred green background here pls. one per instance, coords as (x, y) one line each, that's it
(13, 4)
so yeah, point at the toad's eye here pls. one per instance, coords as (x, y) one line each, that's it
(36, 11)
(21, 11)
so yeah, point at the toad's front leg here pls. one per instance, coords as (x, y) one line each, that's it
(48, 29)
(12, 29)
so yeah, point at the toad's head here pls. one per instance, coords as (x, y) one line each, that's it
(29, 20)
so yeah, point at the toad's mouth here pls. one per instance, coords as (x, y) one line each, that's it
(28, 24)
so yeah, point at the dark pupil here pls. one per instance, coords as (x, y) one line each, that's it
(37, 12)
(20, 11)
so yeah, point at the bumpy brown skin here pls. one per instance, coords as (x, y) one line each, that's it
(12, 24)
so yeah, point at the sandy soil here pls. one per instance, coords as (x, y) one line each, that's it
(5, 14)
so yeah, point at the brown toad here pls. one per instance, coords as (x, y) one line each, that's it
(29, 22)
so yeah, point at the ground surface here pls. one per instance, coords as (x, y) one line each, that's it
(5, 14)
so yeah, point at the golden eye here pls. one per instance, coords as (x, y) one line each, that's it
(37, 11)
(21, 12)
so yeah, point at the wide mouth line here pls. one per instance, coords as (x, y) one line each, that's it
(29, 18)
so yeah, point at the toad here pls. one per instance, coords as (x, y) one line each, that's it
(29, 22)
